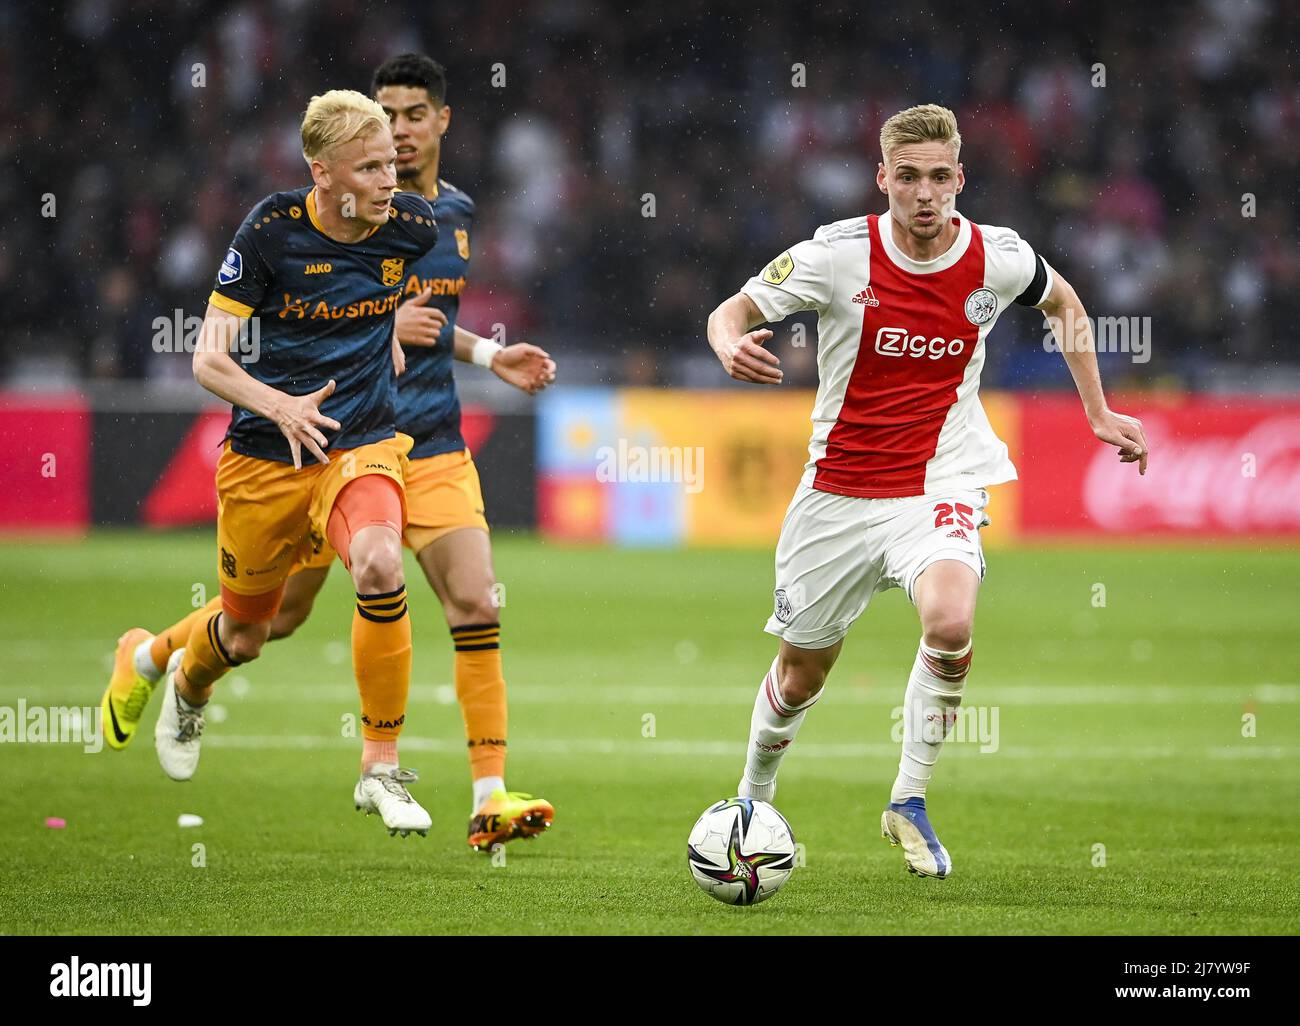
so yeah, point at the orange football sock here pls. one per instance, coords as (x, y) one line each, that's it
(175, 636)
(206, 660)
(381, 625)
(481, 691)
(381, 660)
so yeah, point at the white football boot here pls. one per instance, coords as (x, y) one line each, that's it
(177, 733)
(383, 790)
(907, 823)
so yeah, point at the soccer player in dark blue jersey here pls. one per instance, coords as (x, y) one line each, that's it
(448, 530)
(446, 527)
(318, 272)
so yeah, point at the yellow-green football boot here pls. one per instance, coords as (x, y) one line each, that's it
(127, 693)
(507, 815)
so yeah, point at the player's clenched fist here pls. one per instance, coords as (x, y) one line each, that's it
(745, 359)
(419, 324)
(299, 419)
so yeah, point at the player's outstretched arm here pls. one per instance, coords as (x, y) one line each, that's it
(528, 367)
(296, 416)
(1073, 333)
(738, 347)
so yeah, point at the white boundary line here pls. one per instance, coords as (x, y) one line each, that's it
(658, 748)
(238, 688)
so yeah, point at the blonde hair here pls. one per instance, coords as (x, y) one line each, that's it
(338, 117)
(927, 123)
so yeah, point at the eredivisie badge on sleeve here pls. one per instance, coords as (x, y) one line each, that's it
(232, 267)
(779, 269)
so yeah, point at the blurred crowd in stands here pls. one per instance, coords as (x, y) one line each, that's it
(1150, 151)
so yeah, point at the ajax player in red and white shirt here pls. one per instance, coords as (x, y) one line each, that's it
(901, 451)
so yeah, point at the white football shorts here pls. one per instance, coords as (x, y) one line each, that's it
(836, 551)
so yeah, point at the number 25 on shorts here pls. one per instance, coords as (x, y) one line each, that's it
(944, 511)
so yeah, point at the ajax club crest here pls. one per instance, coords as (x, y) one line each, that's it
(392, 271)
(981, 305)
(783, 609)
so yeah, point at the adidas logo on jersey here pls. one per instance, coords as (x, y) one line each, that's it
(958, 533)
(867, 296)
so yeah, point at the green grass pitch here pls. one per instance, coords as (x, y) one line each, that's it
(1122, 797)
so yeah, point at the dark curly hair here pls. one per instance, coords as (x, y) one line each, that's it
(412, 69)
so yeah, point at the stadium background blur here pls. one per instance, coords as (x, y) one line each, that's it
(1134, 189)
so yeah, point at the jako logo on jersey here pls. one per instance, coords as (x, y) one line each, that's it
(867, 296)
(323, 311)
(439, 286)
(318, 269)
(896, 342)
(981, 305)
(232, 268)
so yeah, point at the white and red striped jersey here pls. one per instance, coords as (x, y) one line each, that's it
(899, 353)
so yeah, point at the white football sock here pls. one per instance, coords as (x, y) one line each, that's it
(483, 788)
(934, 692)
(772, 728)
(144, 662)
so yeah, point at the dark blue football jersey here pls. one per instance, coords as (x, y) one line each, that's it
(324, 309)
(427, 406)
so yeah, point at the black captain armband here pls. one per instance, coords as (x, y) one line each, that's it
(1033, 294)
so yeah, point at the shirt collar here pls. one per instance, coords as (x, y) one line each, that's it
(940, 263)
(315, 223)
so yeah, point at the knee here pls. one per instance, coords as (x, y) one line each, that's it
(472, 603)
(950, 632)
(245, 641)
(799, 682)
(376, 561)
(288, 620)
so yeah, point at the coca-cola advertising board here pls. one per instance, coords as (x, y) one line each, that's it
(1220, 467)
(46, 446)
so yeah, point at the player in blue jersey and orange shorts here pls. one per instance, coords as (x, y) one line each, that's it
(447, 528)
(317, 273)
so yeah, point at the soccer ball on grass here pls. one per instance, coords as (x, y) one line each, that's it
(741, 851)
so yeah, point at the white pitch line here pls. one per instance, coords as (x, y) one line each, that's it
(658, 747)
(649, 697)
